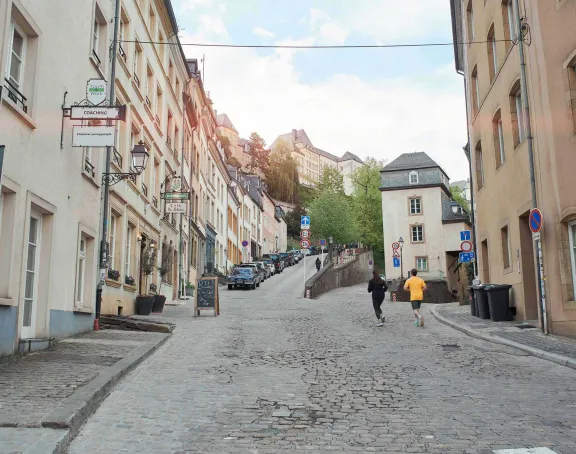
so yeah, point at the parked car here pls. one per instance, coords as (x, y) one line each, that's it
(278, 262)
(259, 274)
(244, 277)
(286, 258)
(265, 268)
(295, 254)
(270, 264)
(259, 268)
(305, 252)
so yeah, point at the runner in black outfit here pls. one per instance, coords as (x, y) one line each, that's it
(378, 288)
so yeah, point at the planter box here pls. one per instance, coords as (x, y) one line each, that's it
(144, 304)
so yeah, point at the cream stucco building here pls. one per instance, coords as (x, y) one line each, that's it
(416, 206)
(499, 148)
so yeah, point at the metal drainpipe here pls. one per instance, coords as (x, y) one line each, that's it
(526, 106)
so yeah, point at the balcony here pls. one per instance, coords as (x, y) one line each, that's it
(116, 158)
(148, 102)
(169, 142)
(15, 95)
(122, 53)
(89, 168)
(144, 190)
(96, 57)
(136, 79)
(154, 202)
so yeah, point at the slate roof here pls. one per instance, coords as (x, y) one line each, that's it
(326, 154)
(350, 157)
(411, 161)
(449, 216)
(301, 137)
(223, 120)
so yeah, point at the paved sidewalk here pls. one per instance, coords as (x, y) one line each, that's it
(46, 396)
(560, 350)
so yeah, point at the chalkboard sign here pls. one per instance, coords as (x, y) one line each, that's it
(207, 297)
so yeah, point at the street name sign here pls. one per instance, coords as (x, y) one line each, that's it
(176, 196)
(96, 91)
(467, 257)
(176, 207)
(98, 113)
(93, 136)
(465, 235)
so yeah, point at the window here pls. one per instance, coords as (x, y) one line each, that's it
(470, 19)
(475, 91)
(161, 47)
(422, 263)
(518, 115)
(128, 261)
(415, 205)
(123, 33)
(137, 63)
(16, 57)
(417, 233)
(505, 237)
(492, 56)
(149, 87)
(159, 106)
(152, 23)
(509, 20)
(99, 37)
(498, 132)
(88, 165)
(112, 241)
(81, 272)
(485, 262)
(413, 177)
(479, 166)
(572, 241)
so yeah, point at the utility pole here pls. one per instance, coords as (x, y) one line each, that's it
(106, 195)
(526, 107)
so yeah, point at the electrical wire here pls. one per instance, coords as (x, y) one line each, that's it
(341, 46)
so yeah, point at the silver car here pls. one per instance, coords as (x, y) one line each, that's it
(267, 272)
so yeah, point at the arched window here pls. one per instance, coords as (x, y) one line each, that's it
(479, 165)
(498, 133)
(517, 113)
(492, 55)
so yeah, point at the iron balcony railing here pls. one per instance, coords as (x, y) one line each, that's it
(122, 53)
(89, 168)
(154, 201)
(96, 57)
(136, 79)
(116, 157)
(148, 103)
(15, 95)
(144, 190)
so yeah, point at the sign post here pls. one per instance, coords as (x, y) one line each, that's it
(535, 222)
(305, 243)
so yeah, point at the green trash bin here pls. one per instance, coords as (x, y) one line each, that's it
(499, 302)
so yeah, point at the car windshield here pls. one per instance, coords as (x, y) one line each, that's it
(273, 257)
(242, 271)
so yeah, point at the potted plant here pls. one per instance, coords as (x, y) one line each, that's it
(189, 288)
(165, 267)
(113, 274)
(145, 302)
(129, 280)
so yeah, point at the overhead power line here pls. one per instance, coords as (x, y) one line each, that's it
(340, 46)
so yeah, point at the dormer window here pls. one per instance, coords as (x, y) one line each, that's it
(413, 177)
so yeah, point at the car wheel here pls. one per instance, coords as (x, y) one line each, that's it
(254, 286)
(230, 286)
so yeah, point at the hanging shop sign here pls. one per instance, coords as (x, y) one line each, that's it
(176, 207)
(98, 113)
(93, 136)
(96, 90)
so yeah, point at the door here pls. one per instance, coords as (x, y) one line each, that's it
(31, 278)
(528, 270)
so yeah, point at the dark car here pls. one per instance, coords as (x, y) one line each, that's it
(278, 265)
(296, 255)
(258, 269)
(270, 263)
(244, 277)
(285, 257)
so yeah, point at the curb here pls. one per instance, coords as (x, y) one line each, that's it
(542, 354)
(73, 411)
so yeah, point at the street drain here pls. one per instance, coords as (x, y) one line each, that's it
(525, 326)
(450, 347)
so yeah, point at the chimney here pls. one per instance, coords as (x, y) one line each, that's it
(294, 135)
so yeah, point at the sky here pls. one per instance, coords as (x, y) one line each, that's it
(372, 102)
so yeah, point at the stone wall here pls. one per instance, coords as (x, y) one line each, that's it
(437, 292)
(328, 278)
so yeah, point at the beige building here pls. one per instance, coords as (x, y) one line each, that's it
(417, 207)
(499, 146)
(312, 160)
(49, 197)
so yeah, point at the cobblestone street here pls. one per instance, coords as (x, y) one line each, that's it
(276, 372)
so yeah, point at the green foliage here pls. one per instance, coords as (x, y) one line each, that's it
(367, 203)
(281, 175)
(306, 195)
(166, 261)
(331, 214)
(259, 155)
(225, 141)
(293, 221)
(459, 197)
(331, 179)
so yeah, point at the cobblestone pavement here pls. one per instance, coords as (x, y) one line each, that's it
(277, 373)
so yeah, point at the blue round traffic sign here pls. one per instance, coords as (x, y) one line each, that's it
(535, 220)
(322, 242)
(244, 243)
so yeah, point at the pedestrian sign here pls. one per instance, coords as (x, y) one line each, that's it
(467, 257)
(535, 220)
(465, 235)
(396, 261)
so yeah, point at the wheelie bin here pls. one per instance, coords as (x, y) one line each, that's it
(472, 301)
(498, 301)
(482, 308)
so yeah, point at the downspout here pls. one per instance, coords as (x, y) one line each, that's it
(526, 106)
(181, 241)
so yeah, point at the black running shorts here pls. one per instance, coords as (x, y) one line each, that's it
(416, 304)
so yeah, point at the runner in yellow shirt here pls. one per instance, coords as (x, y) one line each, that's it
(417, 287)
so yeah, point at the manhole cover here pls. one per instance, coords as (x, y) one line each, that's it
(525, 326)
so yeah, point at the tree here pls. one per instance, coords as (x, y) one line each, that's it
(367, 203)
(225, 141)
(331, 215)
(292, 219)
(331, 180)
(281, 176)
(234, 162)
(459, 197)
(259, 155)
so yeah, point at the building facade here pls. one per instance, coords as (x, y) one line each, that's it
(500, 147)
(417, 208)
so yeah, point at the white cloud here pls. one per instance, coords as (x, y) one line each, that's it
(259, 31)
(332, 33)
(382, 118)
(189, 5)
(212, 25)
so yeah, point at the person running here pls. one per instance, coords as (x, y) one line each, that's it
(417, 287)
(318, 264)
(378, 288)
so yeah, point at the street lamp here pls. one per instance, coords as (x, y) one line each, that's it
(330, 241)
(140, 157)
(456, 208)
(276, 243)
(401, 242)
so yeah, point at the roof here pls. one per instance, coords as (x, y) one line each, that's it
(411, 161)
(457, 34)
(448, 215)
(326, 154)
(301, 137)
(223, 120)
(351, 157)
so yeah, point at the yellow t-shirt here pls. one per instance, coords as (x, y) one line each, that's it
(416, 286)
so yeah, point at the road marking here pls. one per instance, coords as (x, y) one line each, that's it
(526, 451)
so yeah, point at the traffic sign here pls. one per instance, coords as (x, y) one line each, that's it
(244, 243)
(370, 264)
(466, 246)
(467, 257)
(465, 235)
(304, 220)
(395, 253)
(305, 233)
(175, 207)
(395, 245)
(176, 196)
(536, 236)
(322, 242)
(535, 220)
(396, 261)
(305, 244)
